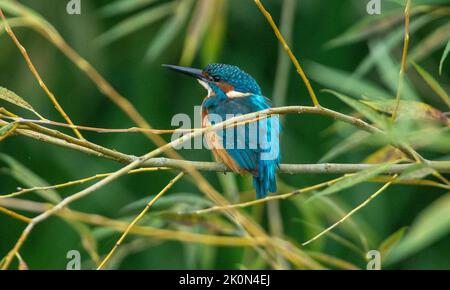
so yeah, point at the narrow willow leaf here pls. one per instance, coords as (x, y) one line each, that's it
(432, 224)
(362, 108)
(385, 154)
(17, 9)
(123, 6)
(5, 130)
(169, 30)
(417, 171)
(199, 22)
(354, 227)
(417, 111)
(366, 27)
(388, 70)
(13, 98)
(347, 144)
(193, 200)
(345, 82)
(433, 41)
(391, 241)
(391, 40)
(354, 179)
(435, 86)
(28, 178)
(211, 222)
(88, 240)
(444, 56)
(212, 42)
(332, 261)
(136, 22)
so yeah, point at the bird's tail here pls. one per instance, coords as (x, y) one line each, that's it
(266, 180)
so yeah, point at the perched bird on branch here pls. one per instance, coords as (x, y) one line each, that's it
(251, 147)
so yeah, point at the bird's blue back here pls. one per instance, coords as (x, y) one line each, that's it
(262, 158)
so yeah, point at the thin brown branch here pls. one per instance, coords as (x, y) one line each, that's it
(241, 219)
(404, 58)
(344, 218)
(289, 52)
(76, 182)
(36, 74)
(118, 225)
(138, 218)
(15, 215)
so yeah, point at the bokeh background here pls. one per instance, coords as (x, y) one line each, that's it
(234, 32)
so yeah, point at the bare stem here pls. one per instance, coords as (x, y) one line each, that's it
(137, 219)
(286, 47)
(404, 58)
(36, 74)
(343, 219)
(15, 215)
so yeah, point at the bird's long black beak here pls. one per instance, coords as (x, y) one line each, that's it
(193, 72)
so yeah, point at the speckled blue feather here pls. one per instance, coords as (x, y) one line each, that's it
(260, 156)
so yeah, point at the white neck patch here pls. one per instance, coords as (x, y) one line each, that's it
(236, 94)
(230, 94)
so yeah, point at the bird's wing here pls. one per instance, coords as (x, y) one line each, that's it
(245, 153)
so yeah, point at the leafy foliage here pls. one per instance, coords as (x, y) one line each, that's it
(358, 72)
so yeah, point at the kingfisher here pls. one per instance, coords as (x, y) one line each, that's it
(251, 147)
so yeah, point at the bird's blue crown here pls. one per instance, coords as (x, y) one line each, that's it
(234, 76)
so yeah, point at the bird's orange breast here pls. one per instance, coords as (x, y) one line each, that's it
(216, 145)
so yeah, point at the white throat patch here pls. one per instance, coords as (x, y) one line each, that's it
(236, 94)
(230, 94)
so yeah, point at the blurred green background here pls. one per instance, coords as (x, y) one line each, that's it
(236, 33)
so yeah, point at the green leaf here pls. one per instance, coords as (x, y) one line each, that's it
(29, 178)
(200, 20)
(417, 111)
(354, 179)
(17, 9)
(391, 40)
(347, 144)
(444, 56)
(391, 241)
(88, 240)
(435, 86)
(136, 22)
(123, 6)
(366, 27)
(6, 129)
(335, 209)
(193, 200)
(169, 30)
(362, 108)
(213, 40)
(416, 171)
(432, 41)
(432, 224)
(13, 98)
(388, 70)
(345, 82)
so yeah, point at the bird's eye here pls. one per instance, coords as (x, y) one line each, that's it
(215, 78)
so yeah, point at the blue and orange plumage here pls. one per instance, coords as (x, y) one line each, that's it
(232, 92)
